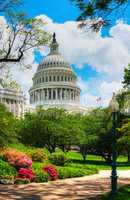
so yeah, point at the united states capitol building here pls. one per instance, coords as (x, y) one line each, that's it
(55, 83)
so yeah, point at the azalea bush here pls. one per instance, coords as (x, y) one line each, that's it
(38, 155)
(52, 171)
(24, 173)
(17, 159)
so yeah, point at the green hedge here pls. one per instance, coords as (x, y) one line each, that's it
(6, 170)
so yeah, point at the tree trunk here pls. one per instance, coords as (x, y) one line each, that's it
(128, 156)
(84, 157)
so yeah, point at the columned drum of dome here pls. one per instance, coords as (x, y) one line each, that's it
(54, 83)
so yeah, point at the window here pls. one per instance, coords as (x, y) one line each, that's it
(68, 78)
(54, 94)
(49, 78)
(58, 78)
(49, 94)
(62, 78)
(43, 79)
(54, 78)
(46, 79)
(65, 78)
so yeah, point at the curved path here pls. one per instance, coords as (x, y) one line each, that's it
(83, 188)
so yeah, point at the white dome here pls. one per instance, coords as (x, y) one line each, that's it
(53, 60)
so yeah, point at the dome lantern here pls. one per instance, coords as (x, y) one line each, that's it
(54, 47)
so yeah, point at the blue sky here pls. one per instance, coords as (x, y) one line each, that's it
(98, 59)
(58, 10)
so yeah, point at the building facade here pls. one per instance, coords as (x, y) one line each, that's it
(13, 100)
(55, 83)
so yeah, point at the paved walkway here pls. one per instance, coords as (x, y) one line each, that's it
(84, 188)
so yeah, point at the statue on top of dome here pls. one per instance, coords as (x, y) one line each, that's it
(54, 45)
(54, 37)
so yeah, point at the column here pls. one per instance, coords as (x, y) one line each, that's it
(47, 94)
(73, 95)
(61, 94)
(43, 94)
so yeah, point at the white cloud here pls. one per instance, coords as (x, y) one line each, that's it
(107, 55)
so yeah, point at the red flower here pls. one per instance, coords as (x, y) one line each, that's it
(26, 174)
(51, 170)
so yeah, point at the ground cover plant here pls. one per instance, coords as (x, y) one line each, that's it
(123, 194)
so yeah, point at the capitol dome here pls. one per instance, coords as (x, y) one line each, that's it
(55, 83)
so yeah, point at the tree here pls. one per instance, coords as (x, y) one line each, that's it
(50, 128)
(124, 140)
(19, 36)
(6, 4)
(97, 13)
(7, 126)
(97, 137)
(126, 80)
(89, 136)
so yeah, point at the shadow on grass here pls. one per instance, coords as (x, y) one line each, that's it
(99, 163)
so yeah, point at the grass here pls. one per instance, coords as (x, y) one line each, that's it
(123, 194)
(92, 165)
(98, 162)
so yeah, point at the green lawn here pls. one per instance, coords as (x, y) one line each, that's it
(98, 162)
(92, 165)
(123, 194)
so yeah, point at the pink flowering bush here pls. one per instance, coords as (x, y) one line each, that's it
(24, 173)
(17, 159)
(52, 171)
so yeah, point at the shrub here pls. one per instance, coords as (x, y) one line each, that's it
(17, 159)
(69, 172)
(38, 155)
(52, 171)
(26, 174)
(21, 181)
(59, 159)
(41, 177)
(7, 171)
